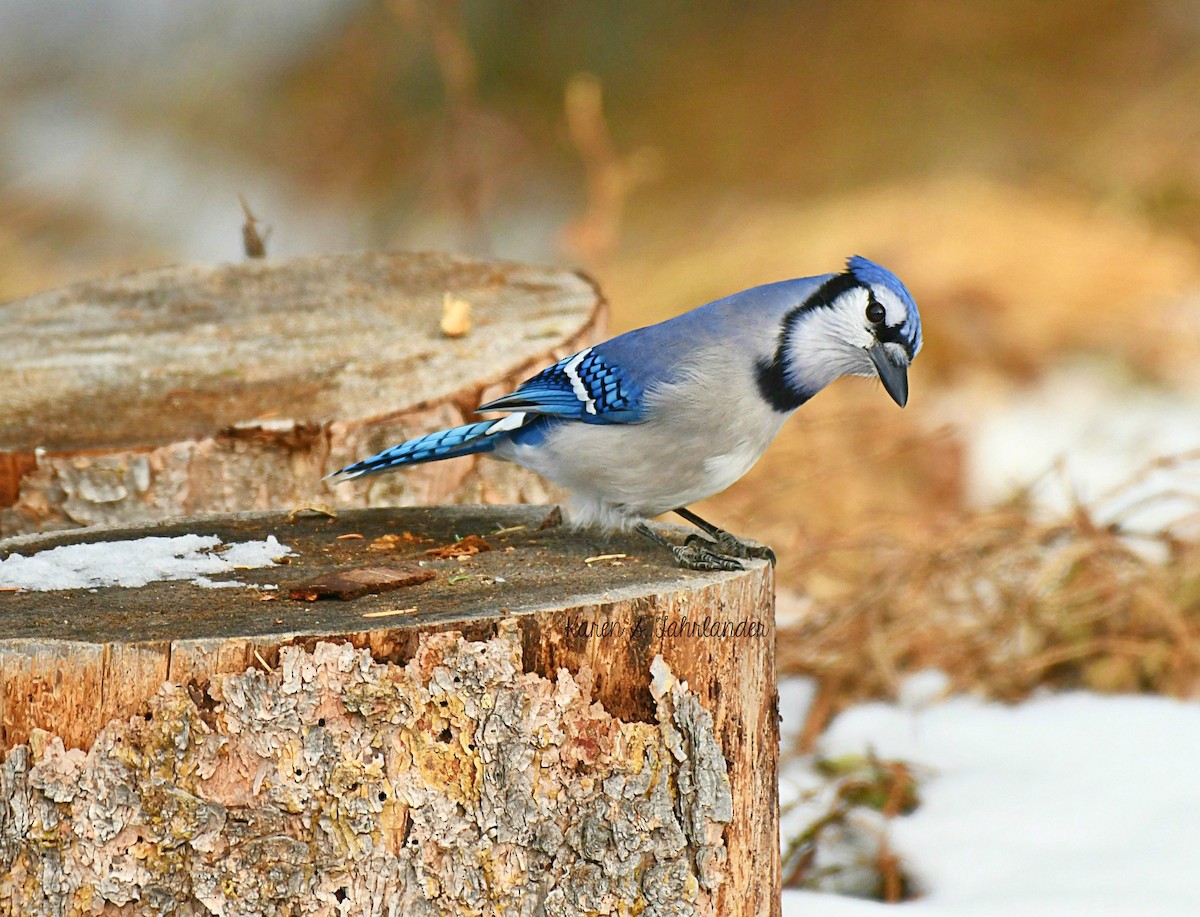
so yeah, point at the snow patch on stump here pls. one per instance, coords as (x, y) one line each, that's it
(137, 562)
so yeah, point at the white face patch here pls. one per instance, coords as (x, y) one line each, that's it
(845, 323)
(832, 341)
(577, 386)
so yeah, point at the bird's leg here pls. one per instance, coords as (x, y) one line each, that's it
(728, 544)
(692, 556)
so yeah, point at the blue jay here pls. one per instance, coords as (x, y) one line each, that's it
(660, 417)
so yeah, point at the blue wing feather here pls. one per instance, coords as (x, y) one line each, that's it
(584, 386)
(442, 444)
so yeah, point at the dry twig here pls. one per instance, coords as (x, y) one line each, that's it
(1003, 602)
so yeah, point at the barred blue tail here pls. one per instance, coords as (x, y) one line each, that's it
(444, 444)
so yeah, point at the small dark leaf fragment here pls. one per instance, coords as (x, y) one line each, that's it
(360, 581)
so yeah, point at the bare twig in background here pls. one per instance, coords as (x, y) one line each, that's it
(610, 177)
(480, 148)
(847, 847)
(254, 243)
(1004, 603)
(467, 171)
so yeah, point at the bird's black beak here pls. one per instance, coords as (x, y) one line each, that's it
(893, 376)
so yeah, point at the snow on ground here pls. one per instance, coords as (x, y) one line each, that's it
(1068, 804)
(137, 562)
(1102, 429)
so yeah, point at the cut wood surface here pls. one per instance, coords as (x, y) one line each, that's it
(495, 739)
(193, 389)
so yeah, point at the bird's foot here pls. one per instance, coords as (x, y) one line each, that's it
(725, 543)
(693, 555)
(698, 554)
(732, 546)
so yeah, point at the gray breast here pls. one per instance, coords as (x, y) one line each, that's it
(704, 431)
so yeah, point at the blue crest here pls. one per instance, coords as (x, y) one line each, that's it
(868, 272)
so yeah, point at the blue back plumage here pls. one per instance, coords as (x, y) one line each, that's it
(608, 383)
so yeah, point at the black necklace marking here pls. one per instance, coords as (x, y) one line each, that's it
(770, 374)
(774, 388)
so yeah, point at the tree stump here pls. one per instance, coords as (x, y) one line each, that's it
(193, 390)
(528, 721)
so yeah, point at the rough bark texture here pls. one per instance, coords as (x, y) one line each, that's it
(191, 389)
(455, 784)
(501, 749)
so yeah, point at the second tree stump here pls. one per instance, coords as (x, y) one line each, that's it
(192, 389)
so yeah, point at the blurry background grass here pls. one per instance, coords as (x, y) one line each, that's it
(1030, 170)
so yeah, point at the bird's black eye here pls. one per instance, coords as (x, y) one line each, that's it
(875, 313)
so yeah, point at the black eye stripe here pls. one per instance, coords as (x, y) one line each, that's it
(894, 335)
(887, 334)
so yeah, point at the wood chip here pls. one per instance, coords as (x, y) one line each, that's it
(456, 316)
(385, 543)
(472, 544)
(600, 557)
(318, 509)
(360, 581)
(511, 528)
(392, 541)
(389, 614)
(350, 536)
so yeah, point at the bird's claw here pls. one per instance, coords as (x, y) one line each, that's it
(695, 556)
(732, 546)
(698, 553)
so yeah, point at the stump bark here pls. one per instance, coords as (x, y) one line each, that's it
(526, 722)
(194, 390)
